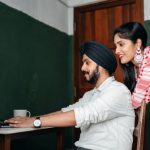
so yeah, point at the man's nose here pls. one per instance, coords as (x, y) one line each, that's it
(82, 68)
(117, 50)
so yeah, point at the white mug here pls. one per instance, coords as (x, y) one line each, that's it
(21, 113)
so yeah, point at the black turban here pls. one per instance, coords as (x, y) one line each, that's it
(100, 54)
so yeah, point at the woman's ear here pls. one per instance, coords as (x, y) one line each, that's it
(139, 43)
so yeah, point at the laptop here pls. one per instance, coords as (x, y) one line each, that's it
(4, 124)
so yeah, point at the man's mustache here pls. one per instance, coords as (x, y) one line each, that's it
(85, 72)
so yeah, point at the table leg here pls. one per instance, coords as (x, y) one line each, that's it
(5, 142)
(60, 140)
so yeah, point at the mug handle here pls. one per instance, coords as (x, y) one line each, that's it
(28, 113)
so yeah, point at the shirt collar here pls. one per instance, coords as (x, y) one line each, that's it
(105, 84)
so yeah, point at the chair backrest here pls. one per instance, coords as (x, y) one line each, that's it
(138, 140)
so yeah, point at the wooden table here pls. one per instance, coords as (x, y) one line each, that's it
(9, 134)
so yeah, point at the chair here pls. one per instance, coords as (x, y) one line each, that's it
(138, 139)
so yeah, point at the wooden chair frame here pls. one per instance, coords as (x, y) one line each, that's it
(138, 141)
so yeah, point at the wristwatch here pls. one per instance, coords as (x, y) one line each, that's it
(37, 122)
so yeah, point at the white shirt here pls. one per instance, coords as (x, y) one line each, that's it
(106, 117)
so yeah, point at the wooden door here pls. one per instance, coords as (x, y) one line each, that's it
(97, 22)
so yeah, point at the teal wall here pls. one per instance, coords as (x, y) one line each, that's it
(147, 27)
(35, 70)
(147, 125)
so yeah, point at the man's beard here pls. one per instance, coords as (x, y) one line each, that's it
(94, 76)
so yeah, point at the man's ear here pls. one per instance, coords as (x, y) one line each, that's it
(103, 70)
(100, 68)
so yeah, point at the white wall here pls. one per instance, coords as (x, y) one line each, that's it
(146, 9)
(51, 12)
(55, 13)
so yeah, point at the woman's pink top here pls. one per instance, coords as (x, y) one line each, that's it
(142, 88)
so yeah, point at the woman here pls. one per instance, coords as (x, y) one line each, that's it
(130, 40)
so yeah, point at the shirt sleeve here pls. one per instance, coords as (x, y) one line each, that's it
(142, 88)
(111, 104)
(71, 107)
(81, 102)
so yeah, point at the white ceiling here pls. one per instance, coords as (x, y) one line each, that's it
(75, 3)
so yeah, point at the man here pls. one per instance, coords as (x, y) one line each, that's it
(104, 114)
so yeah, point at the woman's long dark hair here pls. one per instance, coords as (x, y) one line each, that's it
(129, 75)
(131, 31)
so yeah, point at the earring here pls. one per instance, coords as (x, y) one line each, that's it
(138, 56)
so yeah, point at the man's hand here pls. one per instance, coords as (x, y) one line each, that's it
(21, 122)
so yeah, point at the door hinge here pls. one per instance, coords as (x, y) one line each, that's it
(75, 91)
(74, 26)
